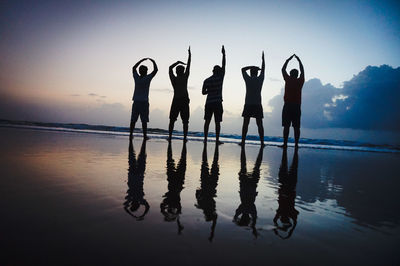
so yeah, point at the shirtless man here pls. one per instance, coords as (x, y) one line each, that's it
(253, 104)
(180, 102)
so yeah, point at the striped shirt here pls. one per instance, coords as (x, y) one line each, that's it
(213, 86)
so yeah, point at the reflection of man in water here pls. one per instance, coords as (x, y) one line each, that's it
(287, 196)
(248, 192)
(171, 206)
(291, 110)
(180, 103)
(207, 192)
(135, 195)
(253, 106)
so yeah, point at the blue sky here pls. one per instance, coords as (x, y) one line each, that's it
(80, 53)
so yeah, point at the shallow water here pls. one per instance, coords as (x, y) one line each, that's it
(69, 198)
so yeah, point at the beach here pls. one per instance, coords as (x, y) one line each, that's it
(69, 198)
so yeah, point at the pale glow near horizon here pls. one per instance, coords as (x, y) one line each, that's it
(64, 60)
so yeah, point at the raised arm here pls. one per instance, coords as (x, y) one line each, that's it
(301, 68)
(223, 58)
(262, 74)
(134, 68)
(187, 71)
(171, 68)
(155, 68)
(244, 71)
(284, 73)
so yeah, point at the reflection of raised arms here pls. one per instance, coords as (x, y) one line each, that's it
(284, 73)
(187, 71)
(301, 67)
(134, 68)
(262, 74)
(223, 59)
(171, 69)
(155, 68)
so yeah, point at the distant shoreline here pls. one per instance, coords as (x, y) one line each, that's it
(158, 133)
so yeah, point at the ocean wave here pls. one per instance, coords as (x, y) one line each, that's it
(157, 133)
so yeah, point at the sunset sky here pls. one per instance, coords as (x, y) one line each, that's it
(69, 59)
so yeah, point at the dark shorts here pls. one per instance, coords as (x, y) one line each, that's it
(213, 108)
(180, 106)
(253, 110)
(142, 109)
(291, 114)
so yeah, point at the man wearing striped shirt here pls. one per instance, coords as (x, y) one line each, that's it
(212, 86)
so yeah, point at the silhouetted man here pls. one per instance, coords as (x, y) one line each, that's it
(135, 195)
(208, 189)
(253, 106)
(212, 86)
(171, 206)
(140, 106)
(248, 192)
(180, 102)
(287, 195)
(292, 108)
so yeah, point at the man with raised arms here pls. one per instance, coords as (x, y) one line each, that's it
(292, 108)
(212, 86)
(180, 102)
(140, 105)
(253, 104)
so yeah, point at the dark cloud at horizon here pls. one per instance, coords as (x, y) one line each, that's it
(368, 101)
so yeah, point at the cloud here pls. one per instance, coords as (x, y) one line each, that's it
(368, 101)
(275, 80)
(25, 109)
(74, 95)
(96, 95)
(165, 90)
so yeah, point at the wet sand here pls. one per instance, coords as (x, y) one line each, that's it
(70, 198)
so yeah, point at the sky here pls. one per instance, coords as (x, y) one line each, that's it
(71, 61)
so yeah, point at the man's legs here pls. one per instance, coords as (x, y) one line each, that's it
(132, 127)
(217, 130)
(185, 113)
(260, 130)
(144, 117)
(144, 128)
(285, 135)
(173, 115)
(296, 125)
(296, 136)
(245, 127)
(170, 128)
(185, 130)
(134, 117)
(206, 126)
(218, 111)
